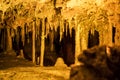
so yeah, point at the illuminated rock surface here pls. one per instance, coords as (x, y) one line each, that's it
(43, 29)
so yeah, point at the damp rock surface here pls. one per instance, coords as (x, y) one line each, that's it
(14, 68)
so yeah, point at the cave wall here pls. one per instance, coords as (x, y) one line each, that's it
(92, 20)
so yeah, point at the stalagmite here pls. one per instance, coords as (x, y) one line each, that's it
(33, 42)
(42, 42)
(60, 62)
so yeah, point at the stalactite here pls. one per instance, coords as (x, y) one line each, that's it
(70, 28)
(64, 27)
(42, 42)
(72, 24)
(56, 24)
(50, 33)
(47, 27)
(92, 31)
(51, 25)
(61, 29)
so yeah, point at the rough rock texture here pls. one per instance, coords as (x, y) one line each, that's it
(86, 17)
(100, 63)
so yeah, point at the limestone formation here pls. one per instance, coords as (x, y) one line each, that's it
(86, 17)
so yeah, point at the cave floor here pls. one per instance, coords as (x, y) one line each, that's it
(13, 68)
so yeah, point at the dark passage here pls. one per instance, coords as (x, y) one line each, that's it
(113, 34)
(93, 39)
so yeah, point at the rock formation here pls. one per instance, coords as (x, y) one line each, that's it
(37, 18)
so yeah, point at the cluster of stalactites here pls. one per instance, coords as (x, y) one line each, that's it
(60, 26)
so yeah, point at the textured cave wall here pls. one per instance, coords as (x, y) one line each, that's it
(113, 8)
(95, 22)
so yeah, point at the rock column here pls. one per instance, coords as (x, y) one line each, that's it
(42, 42)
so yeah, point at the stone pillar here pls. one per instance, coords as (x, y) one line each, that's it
(33, 42)
(84, 39)
(77, 42)
(42, 42)
(110, 34)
